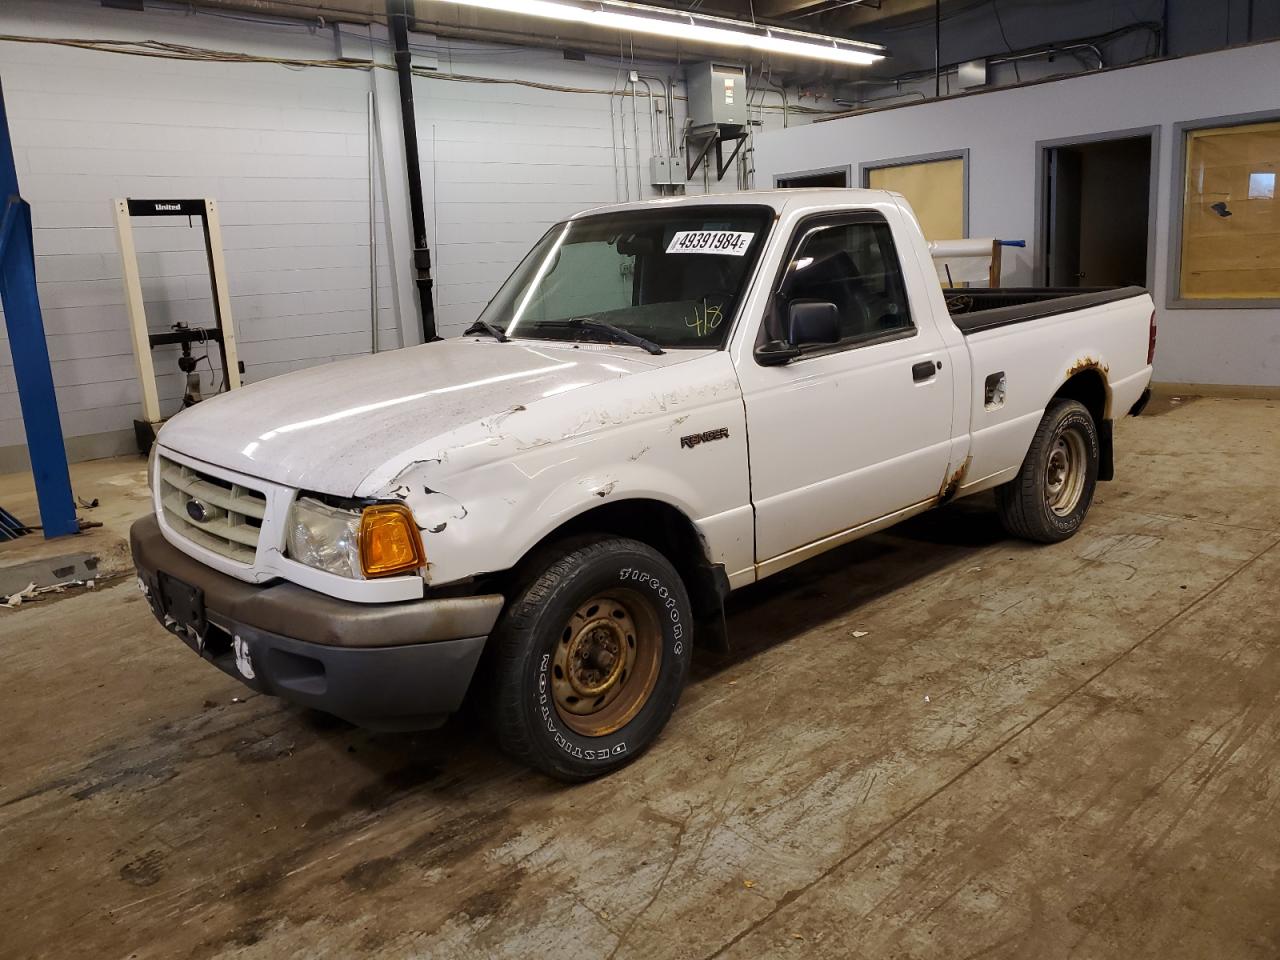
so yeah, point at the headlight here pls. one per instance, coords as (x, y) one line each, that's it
(377, 541)
(325, 537)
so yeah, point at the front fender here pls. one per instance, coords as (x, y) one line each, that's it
(486, 518)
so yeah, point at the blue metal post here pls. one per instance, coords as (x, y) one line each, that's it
(30, 351)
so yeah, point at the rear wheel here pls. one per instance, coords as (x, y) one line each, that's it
(1048, 499)
(590, 657)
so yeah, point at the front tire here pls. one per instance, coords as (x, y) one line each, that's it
(590, 657)
(1048, 499)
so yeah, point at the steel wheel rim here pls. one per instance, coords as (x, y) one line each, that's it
(606, 662)
(1064, 472)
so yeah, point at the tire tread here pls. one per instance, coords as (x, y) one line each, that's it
(1020, 500)
(515, 633)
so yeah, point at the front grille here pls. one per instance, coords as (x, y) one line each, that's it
(231, 515)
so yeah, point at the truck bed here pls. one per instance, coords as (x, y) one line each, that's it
(982, 308)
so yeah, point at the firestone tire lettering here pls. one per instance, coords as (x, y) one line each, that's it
(547, 711)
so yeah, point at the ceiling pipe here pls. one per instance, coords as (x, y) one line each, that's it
(937, 48)
(398, 21)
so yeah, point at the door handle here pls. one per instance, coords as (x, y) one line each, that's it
(924, 370)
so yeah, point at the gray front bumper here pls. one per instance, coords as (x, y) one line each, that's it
(398, 666)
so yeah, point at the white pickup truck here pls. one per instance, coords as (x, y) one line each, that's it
(666, 401)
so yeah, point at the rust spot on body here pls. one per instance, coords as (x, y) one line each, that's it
(952, 484)
(1087, 363)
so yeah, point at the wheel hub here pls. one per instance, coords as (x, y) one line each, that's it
(1065, 472)
(605, 663)
(595, 662)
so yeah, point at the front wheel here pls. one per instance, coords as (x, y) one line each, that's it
(1048, 499)
(590, 657)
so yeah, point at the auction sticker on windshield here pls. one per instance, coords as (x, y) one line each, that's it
(731, 243)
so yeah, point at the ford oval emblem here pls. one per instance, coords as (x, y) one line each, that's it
(197, 511)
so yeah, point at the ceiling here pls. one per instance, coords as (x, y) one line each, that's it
(853, 19)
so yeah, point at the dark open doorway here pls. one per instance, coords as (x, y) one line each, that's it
(1097, 213)
(833, 177)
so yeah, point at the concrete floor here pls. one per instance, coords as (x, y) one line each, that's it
(118, 484)
(1032, 752)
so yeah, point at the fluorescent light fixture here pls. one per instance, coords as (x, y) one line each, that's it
(692, 27)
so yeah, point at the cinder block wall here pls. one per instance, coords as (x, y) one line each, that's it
(285, 153)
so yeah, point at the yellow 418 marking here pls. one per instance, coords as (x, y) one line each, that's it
(706, 319)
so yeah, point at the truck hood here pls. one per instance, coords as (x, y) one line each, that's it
(327, 428)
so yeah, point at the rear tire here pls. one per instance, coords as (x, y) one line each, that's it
(1048, 499)
(589, 658)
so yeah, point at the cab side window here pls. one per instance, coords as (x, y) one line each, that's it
(855, 266)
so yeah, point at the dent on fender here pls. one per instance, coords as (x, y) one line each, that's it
(449, 484)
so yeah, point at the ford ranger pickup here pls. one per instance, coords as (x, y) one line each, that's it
(666, 401)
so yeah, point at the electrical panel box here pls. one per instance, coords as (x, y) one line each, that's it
(717, 95)
(666, 171)
(971, 73)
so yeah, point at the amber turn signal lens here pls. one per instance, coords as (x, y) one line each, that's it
(389, 541)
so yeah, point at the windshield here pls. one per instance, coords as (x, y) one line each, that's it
(673, 276)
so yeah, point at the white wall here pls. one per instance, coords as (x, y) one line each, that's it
(1001, 129)
(284, 150)
(501, 164)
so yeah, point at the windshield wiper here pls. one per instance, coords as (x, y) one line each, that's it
(484, 326)
(623, 336)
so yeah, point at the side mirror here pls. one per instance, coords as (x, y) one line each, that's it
(775, 353)
(812, 321)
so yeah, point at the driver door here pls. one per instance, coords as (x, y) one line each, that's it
(855, 429)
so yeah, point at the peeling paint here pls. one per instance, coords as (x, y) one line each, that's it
(1087, 363)
(436, 510)
(408, 468)
(676, 422)
(532, 444)
(952, 483)
(599, 487)
(654, 404)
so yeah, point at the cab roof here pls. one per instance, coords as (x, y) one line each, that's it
(777, 199)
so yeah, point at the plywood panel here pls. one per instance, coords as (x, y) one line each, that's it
(1231, 213)
(935, 190)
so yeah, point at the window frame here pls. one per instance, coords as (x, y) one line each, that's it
(962, 154)
(799, 234)
(846, 169)
(1177, 201)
